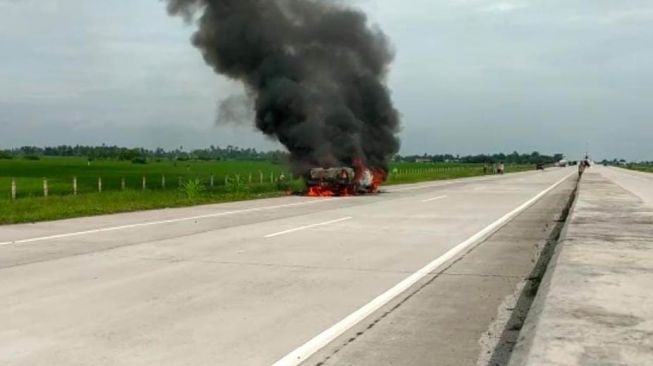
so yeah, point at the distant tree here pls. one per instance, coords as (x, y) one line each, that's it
(231, 152)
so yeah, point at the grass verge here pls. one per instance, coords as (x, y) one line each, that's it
(641, 168)
(34, 209)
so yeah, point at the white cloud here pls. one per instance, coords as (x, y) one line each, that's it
(491, 6)
(470, 75)
(623, 17)
(503, 7)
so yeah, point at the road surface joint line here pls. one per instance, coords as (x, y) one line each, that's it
(435, 198)
(153, 223)
(455, 181)
(264, 264)
(303, 352)
(441, 184)
(308, 227)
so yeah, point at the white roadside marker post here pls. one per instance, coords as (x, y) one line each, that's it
(74, 186)
(13, 189)
(45, 187)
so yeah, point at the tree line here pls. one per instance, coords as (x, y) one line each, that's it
(142, 155)
(620, 162)
(513, 158)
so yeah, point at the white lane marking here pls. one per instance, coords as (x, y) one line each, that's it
(457, 180)
(308, 227)
(152, 223)
(439, 184)
(302, 353)
(435, 199)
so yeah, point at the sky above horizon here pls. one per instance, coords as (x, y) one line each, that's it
(470, 76)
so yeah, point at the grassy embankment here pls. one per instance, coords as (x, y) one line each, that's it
(186, 183)
(641, 168)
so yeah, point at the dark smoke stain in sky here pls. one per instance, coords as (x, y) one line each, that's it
(315, 70)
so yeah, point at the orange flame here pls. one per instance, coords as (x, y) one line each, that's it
(317, 191)
(378, 177)
(325, 190)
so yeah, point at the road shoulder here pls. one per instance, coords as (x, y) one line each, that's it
(594, 306)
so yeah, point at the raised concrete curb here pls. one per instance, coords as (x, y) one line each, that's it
(595, 304)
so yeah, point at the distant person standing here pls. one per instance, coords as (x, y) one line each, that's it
(584, 164)
(502, 168)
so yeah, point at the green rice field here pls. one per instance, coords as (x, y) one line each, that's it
(108, 186)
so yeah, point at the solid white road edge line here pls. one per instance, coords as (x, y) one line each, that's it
(435, 198)
(302, 353)
(151, 223)
(309, 227)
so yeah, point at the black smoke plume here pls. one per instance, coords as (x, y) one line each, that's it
(315, 69)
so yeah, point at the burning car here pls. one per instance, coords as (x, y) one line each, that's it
(342, 181)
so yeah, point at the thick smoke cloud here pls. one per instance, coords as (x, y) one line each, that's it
(315, 69)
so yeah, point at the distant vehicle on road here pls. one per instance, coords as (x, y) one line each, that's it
(539, 166)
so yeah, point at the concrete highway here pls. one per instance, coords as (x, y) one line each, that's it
(638, 183)
(248, 283)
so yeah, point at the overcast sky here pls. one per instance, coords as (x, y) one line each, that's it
(470, 76)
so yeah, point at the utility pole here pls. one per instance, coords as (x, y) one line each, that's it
(587, 150)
